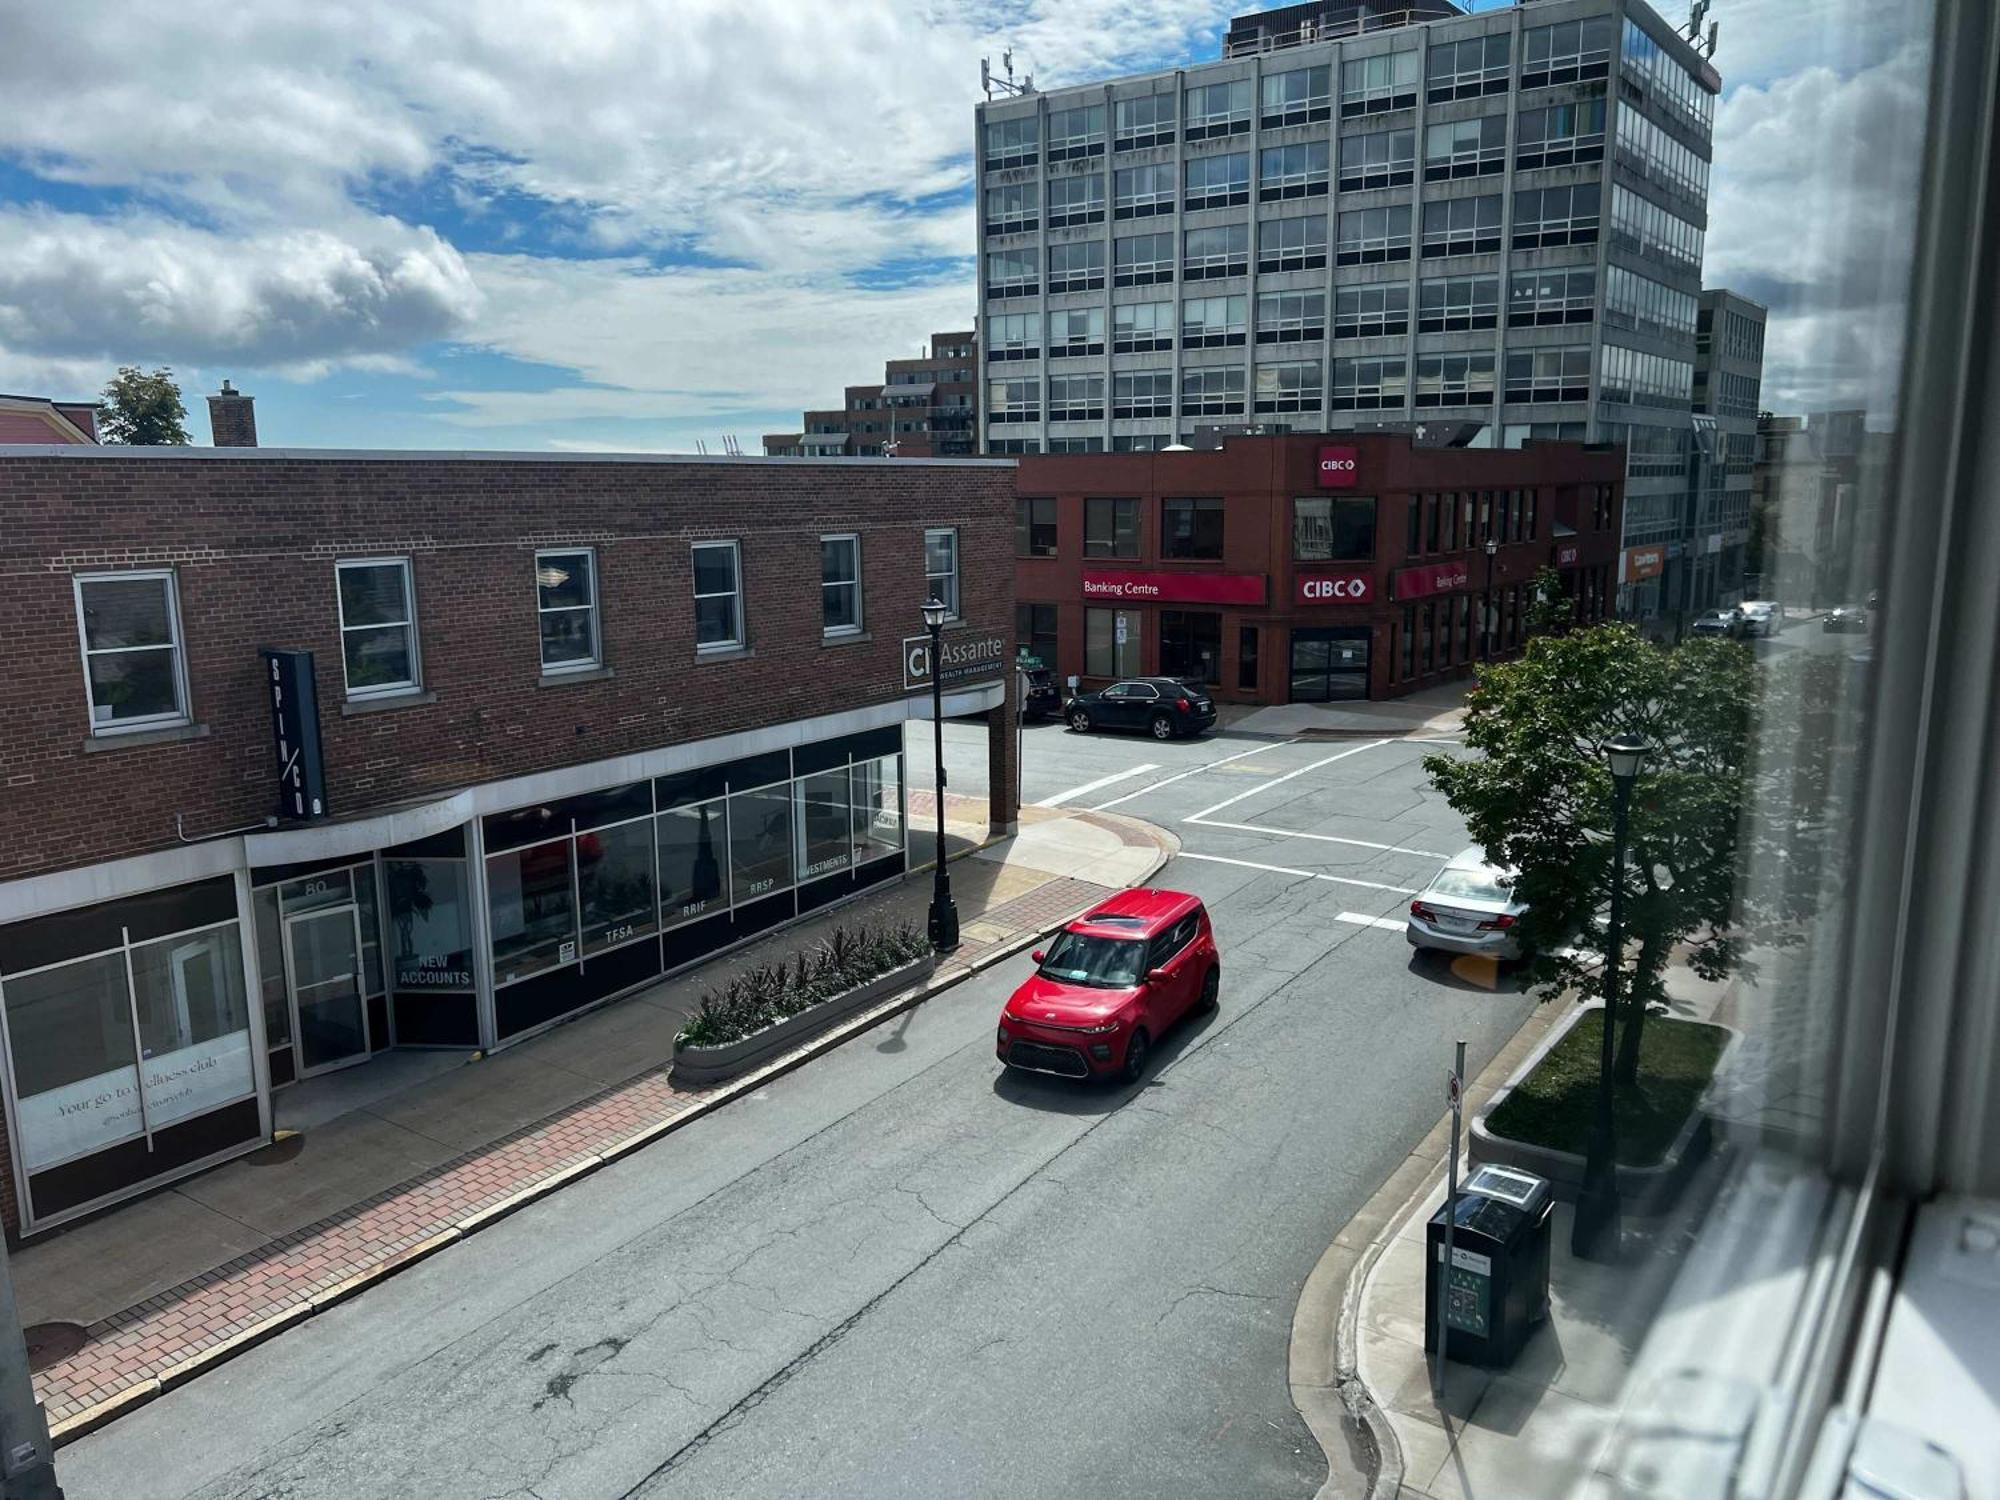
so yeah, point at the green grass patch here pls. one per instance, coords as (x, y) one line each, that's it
(1553, 1106)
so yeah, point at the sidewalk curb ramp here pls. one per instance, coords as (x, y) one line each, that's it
(1363, 1456)
(945, 977)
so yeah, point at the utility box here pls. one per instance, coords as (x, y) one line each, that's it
(1496, 1288)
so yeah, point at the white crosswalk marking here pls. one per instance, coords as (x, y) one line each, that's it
(1090, 786)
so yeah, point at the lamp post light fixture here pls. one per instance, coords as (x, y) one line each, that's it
(1486, 606)
(944, 914)
(1594, 1233)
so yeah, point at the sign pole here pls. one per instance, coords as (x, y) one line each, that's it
(1454, 1092)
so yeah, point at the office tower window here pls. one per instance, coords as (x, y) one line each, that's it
(1455, 304)
(1382, 158)
(1371, 310)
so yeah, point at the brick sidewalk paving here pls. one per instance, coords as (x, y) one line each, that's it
(132, 1355)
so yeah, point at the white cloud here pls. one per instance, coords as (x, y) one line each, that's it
(147, 289)
(1812, 211)
(652, 344)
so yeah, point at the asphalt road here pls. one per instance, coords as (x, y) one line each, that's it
(897, 1272)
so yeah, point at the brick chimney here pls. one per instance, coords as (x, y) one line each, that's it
(232, 419)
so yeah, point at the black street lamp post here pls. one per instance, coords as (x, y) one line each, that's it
(1594, 1234)
(944, 914)
(1486, 605)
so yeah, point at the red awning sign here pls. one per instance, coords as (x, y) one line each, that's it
(1430, 578)
(1130, 584)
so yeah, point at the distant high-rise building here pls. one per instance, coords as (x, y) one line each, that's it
(927, 407)
(1363, 213)
(1728, 390)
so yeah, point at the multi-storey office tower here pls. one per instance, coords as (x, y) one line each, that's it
(1728, 385)
(1362, 213)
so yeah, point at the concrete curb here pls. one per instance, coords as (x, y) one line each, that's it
(1353, 1429)
(947, 974)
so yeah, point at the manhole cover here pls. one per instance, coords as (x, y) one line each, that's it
(50, 1342)
(280, 1151)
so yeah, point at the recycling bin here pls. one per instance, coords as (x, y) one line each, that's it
(1496, 1288)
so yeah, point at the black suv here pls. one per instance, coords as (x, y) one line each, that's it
(1160, 705)
(1039, 697)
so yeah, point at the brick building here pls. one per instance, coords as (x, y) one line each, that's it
(927, 407)
(1305, 568)
(581, 721)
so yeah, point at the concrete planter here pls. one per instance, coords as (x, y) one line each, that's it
(1646, 1191)
(705, 1065)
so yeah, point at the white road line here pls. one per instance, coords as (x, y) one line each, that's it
(1090, 786)
(1183, 775)
(1387, 924)
(1251, 864)
(1324, 838)
(1281, 780)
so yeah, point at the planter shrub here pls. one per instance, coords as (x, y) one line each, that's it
(761, 997)
(1553, 1106)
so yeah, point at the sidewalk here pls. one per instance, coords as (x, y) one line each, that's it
(1438, 710)
(399, 1158)
(1535, 1427)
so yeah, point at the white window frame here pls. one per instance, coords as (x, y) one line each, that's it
(737, 641)
(414, 682)
(183, 710)
(930, 586)
(853, 538)
(596, 657)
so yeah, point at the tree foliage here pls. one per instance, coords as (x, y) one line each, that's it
(144, 410)
(1552, 610)
(1538, 798)
(1742, 777)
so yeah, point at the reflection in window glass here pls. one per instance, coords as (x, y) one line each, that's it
(371, 929)
(71, 1033)
(533, 907)
(692, 853)
(614, 877)
(271, 967)
(430, 922)
(878, 809)
(194, 1024)
(826, 827)
(760, 841)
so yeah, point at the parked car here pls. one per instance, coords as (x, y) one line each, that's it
(1765, 616)
(1723, 622)
(1110, 985)
(1845, 619)
(1161, 705)
(1042, 699)
(1468, 907)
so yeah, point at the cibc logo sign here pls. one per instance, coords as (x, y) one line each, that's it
(1333, 588)
(1338, 467)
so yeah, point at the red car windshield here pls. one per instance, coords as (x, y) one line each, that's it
(1100, 962)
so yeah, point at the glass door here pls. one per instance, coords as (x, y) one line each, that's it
(1329, 666)
(323, 966)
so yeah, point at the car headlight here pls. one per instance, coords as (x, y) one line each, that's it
(1102, 1027)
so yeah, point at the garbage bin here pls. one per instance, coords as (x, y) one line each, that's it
(1497, 1286)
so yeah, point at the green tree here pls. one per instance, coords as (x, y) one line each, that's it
(1537, 797)
(1552, 610)
(144, 410)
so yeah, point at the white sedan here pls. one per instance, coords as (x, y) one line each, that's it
(1468, 907)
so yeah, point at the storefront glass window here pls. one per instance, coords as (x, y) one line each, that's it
(430, 923)
(75, 1077)
(371, 929)
(533, 904)
(826, 825)
(614, 876)
(271, 968)
(194, 1024)
(1110, 642)
(760, 841)
(878, 809)
(326, 888)
(1191, 645)
(693, 854)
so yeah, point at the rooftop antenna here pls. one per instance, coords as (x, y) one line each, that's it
(1695, 15)
(701, 446)
(1714, 30)
(1007, 86)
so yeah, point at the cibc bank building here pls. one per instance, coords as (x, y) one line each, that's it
(305, 755)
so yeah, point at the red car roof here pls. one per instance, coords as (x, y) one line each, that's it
(1138, 913)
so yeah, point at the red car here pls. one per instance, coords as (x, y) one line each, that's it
(1110, 984)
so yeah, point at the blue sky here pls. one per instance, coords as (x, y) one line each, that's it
(639, 223)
